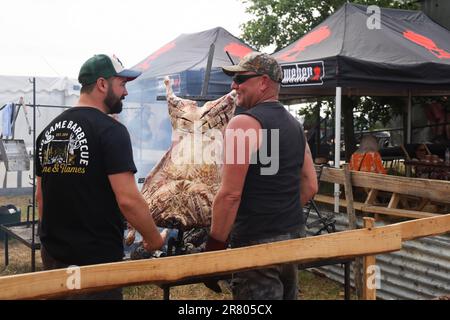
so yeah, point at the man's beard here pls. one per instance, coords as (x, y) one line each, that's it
(113, 102)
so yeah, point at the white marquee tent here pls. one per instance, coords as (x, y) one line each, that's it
(50, 91)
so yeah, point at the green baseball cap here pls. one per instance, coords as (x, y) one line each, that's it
(260, 63)
(104, 66)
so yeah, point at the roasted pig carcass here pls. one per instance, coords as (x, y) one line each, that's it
(180, 189)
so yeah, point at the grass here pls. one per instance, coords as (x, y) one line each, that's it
(312, 286)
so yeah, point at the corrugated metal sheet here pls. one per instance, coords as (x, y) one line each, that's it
(421, 270)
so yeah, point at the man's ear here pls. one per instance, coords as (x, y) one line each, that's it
(265, 83)
(102, 85)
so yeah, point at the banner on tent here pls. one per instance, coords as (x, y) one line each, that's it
(303, 74)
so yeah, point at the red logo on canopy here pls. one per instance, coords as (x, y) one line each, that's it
(317, 73)
(237, 49)
(314, 37)
(427, 43)
(146, 63)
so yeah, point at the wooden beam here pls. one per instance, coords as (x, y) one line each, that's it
(379, 210)
(332, 175)
(338, 245)
(369, 261)
(358, 264)
(349, 198)
(395, 199)
(343, 203)
(371, 197)
(399, 212)
(435, 190)
(426, 148)
(424, 227)
(346, 244)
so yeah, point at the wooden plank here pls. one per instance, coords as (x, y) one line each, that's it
(349, 198)
(343, 203)
(399, 212)
(371, 197)
(426, 148)
(369, 261)
(346, 244)
(435, 190)
(352, 225)
(424, 227)
(332, 175)
(376, 209)
(395, 199)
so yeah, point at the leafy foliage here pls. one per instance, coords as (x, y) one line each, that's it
(370, 111)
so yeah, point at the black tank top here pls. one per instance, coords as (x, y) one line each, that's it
(270, 203)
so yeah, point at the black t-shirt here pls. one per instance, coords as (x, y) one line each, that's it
(270, 202)
(82, 223)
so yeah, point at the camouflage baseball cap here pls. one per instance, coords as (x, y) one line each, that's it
(257, 62)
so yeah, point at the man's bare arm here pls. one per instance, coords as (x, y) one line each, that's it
(308, 184)
(228, 198)
(135, 209)
(39, 197)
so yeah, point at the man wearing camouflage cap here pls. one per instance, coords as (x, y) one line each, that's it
(256, 204)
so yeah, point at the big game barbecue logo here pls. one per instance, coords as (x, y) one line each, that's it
(303, 74)
(64, 149)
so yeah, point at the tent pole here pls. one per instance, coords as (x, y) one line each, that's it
(33, 252)
(409, 115)
(319, 105)
(337, 144)
(208, 70)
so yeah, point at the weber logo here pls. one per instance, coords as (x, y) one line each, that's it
(303, 74)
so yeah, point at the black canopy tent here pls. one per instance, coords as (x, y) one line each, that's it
(188, 60)
(185, 60)
(356, 52)
(408, 52)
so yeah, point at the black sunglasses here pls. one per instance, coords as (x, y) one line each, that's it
(241, 78)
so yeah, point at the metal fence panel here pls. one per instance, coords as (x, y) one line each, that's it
(421, 270)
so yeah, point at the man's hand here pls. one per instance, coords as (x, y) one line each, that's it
(214, 245)
(146, 244)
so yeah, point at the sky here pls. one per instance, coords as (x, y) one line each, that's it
(54, 37)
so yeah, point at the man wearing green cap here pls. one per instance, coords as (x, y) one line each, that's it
(261, 201)
(85, 170)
